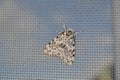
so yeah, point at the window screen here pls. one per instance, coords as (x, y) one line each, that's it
(27, 26)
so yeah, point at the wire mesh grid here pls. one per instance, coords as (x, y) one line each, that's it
(27, 26)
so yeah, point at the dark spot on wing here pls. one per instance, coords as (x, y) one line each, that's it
(62, 33)
(62, 45)
(72, 38)
(74, 50)
(49, 43)
(52, 40)
(68, 61)
(73, 44)
(73, 55)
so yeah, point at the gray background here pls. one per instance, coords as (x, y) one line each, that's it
(26, 26)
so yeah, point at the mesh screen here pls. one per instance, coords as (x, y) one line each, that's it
(27, 26)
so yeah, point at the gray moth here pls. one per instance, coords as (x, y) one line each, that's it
(63, 46)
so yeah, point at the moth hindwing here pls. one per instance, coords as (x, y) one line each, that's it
(62, 46)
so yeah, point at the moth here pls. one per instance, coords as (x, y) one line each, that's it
(63, 46)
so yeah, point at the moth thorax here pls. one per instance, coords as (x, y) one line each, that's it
(69, 32)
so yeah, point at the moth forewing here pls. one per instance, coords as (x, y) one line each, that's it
(63, 46)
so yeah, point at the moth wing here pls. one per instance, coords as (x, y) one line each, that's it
(63, 47)
(68, 54)
(53, 47)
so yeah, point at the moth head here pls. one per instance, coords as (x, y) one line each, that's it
(69, 32)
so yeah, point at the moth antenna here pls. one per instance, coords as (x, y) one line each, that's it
(65, 27)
